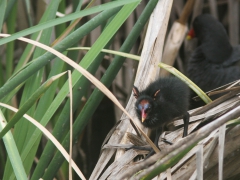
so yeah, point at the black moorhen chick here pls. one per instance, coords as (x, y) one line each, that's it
(161, 102)
(214, 62)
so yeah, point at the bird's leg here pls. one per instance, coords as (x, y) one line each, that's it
(186, 123)
(166, 141)
(158, 133)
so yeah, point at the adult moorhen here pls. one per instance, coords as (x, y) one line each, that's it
(214, 62)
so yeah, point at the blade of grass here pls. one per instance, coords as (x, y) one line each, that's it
(73, 24)
(28, 8)
(32, 99)
(60, 30)
(21, 129)
(67, 18)
(27, 54)
(31, 85)
(12, 151)
(3, 5)
(50, 136)
(62, 124)
(10, 4)
(34, 82)
(47, 99)
(64, 44)
(71, 122)
(11, 24)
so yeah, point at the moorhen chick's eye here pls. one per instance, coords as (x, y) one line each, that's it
(214, 62)
(161, 102)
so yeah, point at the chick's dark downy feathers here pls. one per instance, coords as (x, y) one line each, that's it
(161, 102)
(214, 61)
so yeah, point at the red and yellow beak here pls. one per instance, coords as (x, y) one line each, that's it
(144, 115)
(191, 34)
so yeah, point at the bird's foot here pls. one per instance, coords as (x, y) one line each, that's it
(152, 152)
(166, 141)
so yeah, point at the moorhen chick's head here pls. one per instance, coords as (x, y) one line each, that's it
(145, 106)
(162, 101)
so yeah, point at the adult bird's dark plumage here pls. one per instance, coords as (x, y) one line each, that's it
(161, 102)
(214, 62)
